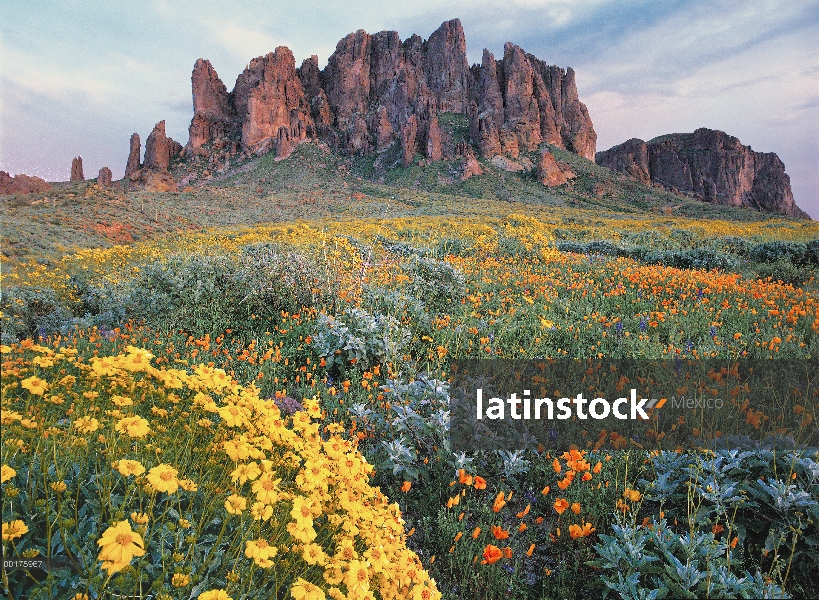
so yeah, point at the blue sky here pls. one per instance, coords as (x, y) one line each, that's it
(78, 77)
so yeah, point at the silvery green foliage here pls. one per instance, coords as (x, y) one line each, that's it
(735, 486)
(369, 339)
(659, 563)
(513, 462)
(418, 423)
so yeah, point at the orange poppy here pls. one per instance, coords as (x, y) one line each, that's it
(491, 554)
(561, 504)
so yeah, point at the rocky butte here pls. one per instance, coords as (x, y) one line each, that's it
(378, 90)
(712, 165)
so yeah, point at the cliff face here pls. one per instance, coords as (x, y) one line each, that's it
(377, 90)
(713, 165)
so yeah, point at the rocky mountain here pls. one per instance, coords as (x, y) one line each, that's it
(713, 165)
(378, 90)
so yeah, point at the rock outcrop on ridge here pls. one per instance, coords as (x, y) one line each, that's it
(160, 150)
(22, 184)
(712, 165)
(104, 177)
(133, 165)
(76, 169)
(378, 90)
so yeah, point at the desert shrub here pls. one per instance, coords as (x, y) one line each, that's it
(569, 246)
(605, 247)
(812, 252)
(768, 252)
(436, 283)
(275, 280)
(209, 293)
(734, 245)
(355, 337)
(785, 272)
(698, 258)
(641, 562)
(30, 312)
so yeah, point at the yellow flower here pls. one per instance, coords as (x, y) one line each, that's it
(121, 401)
(261, 511)
(313, 554)
(59, 486)
(215, 595)
(135, 427)
(139, 518)
(86, 424)
(261, 552)
(35, 385)
(357, 579)
(184, 524)
(245, 472)
(119, 545)
(188, 485)
(163, 478)
(304, 590)
(6, 473)
(180, 580)
(235, 504)
(265, 489)
(129, 467)
(14, 530)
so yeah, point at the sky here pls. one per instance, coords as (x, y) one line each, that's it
(79, 77)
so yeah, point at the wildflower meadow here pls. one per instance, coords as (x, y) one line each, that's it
(262, 410)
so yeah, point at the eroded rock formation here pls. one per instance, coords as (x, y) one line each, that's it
(76, 169)
(22, 184)
(160, 149)
(104, 177)
(378, 90)
(710, 164)
(132, 166)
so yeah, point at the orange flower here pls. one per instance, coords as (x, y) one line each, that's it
(491, 554)
(476, 533)
(507, 552)
(479, 482)
(406, 487)
(576, 508)
(556, 466)
(499, 502)
(575, 531)
(597, 467)
(459, 535)
(717, 528)
(524, 512)
(539, 520)
(499, 532)
(545, 490)
(522, 527)
(734, 542)
(463, 478)
(561, 504)
(530, 550)
(587, 476)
